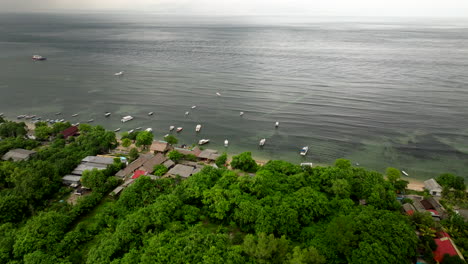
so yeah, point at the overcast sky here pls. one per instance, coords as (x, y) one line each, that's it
(408, 8)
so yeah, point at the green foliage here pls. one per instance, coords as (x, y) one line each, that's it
(221, 160)
(190, 157)
(307, 255)
(18, 142)
(171, 139)
(451, 181)
(343, 164)
(175, 156)
(452, 260)
(133, 154)
(392, 175)
(144, 139)
(43, 132)
(12, 129)
(244, 162)
(85, 128)
(59, 127)
(126, 142)
(266, 248)
(159, 170)
(93, 179)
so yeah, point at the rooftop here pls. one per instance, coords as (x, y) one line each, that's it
(156, 160)
(209, 154)
(97, 159)
(71, 131)
(133, 166)
(159, 146)
(18, 154)
(181, 170)
(431, 184)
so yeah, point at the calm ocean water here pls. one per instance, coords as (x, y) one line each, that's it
(378, 93)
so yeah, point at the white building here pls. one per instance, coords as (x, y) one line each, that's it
(433, 187)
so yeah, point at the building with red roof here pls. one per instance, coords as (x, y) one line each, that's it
(138, 173)
(69, 132)
(444, 246)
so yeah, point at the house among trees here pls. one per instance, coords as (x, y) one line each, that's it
(209, 155)
(433, 187)
(88, 163)
(18, 154)
(71, 180)
(156, 160)
(160, 146)
(183, 171)
(136, 164)
(70, 132)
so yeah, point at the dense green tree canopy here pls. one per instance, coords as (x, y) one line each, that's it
(144, 139)
(244, 162)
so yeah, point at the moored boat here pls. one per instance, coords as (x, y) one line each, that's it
(277, 124)
(38, 58)
(117, 129)
(186, 113)
(197, 128)
(58, 113)
(203, 141)
(241, 113)
(171, 128)
(194, 106)
(149, 129)
(262, 142)
(91, 120)
(126, 119)
(179, 129)
(74, 115)
(131, 131)
(107, 114)
(150, 113)
(138, 128)
(226, 142)
(218, 94)
(304, 150)
(404, 173)
(119, 73)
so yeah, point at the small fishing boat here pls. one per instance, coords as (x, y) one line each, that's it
(107, 114)
(186, 113)
(91, 120)
(150, 113)
(277, 124)
(304, 150)
(241, 113)
(126, 119)
(226, 142)
(262, 142)
(131, 131)
(117, 129)
(179, 129)
(38, 58)
(74, 115)
(61, 120)
(405, 173)
(203, 141)
(218, 94)
(20, 116)
(194, 106)
(149, 129)
(171, 128)
(76, 124)
(58, 113)
(138, 128)
(197, 128)
(119, 73)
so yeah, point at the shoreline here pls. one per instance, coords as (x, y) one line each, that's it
(414, 184)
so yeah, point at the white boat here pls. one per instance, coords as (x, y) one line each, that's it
(186, 113)
(241, 113)
(197, 128)
(126, 118)
(218, 94)
(262, 142)
(131, 131)
(59, 113)
(74, 115)
(149, 129)
(91, 120)
(179, 129)
(171, 128)
(76, 124)
(203, 141)
(277, 124)
(117, 130)
(119, 73)
(38, 58)
(404, 173)
(20, 116)
(150, 113)
(138, 128)
(194, 106)
(226, 142)
(61, 120)
(304, 150)
(107, 114)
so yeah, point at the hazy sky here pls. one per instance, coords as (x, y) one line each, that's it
(438, 8)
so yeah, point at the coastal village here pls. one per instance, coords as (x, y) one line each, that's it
(157, 154)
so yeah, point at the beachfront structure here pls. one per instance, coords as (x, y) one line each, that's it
(156, 160)
(208, 154)
(183, 171)
(433, 187)
(92, 162)
(160, 146)
(133, 166)
(70, 132)
(18, 154)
